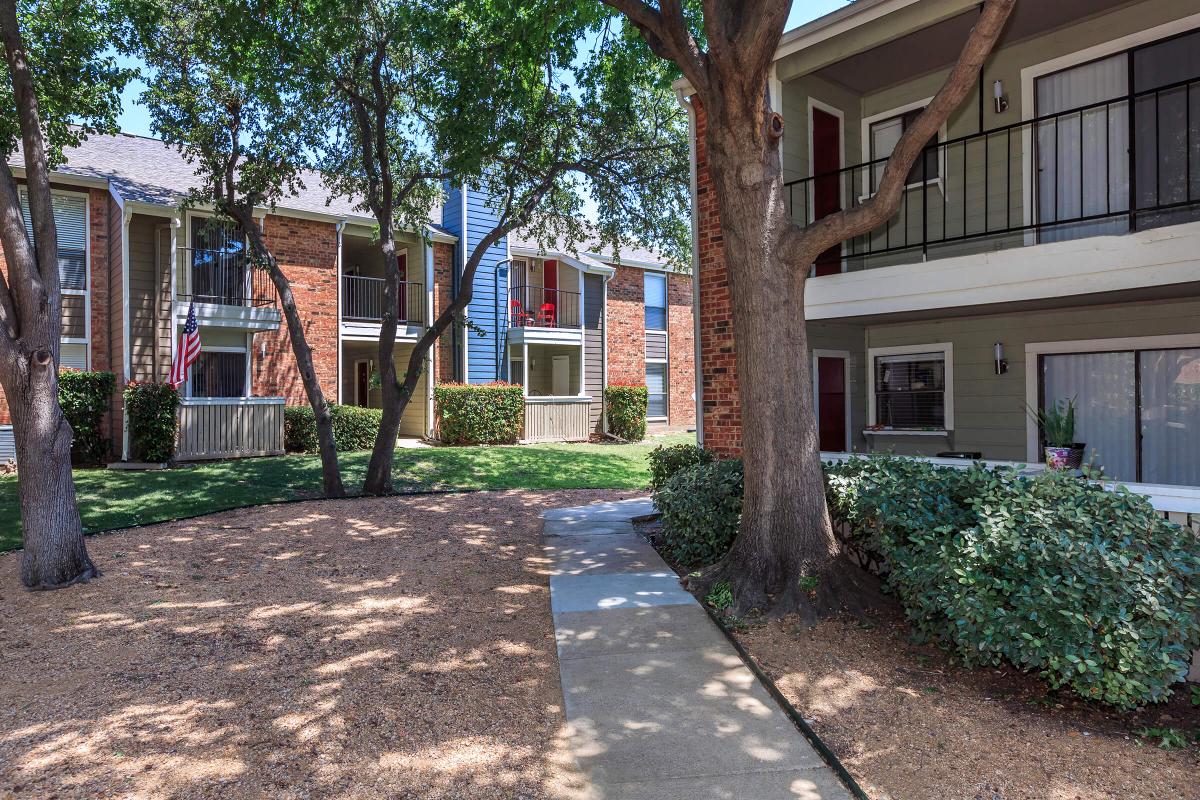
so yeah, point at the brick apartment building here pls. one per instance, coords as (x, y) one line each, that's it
(132, 261)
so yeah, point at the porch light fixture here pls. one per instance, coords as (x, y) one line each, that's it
(1001, 97)
(1001, 362)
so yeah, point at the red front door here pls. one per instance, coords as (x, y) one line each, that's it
(831, 403)
(827, 193)
(402, 294)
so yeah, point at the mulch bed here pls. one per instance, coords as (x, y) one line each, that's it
(384, 647)
(910, 724)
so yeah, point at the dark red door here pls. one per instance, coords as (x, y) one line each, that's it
(402, 310)
(362, 380)
(548, 312)
(827, 194)
(831, 403)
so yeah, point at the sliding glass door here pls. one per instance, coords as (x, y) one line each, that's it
(1138, 412)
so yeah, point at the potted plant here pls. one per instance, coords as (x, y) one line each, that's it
(1057, 423)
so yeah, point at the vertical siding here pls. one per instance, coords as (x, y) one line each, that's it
(593, 340)
(149, 304)
(485, 354)
(413, 423)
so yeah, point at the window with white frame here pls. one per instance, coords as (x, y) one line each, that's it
(220, 373)
(656, 301)
(70, 222)
(656, 388)
(884, 135)
(911, 388)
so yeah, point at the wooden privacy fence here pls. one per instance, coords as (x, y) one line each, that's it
(229, 427)
(557, 419)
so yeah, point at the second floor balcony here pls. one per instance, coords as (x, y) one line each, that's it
(227, 290)
(539, 307)
(1116, 166)
(363, 300)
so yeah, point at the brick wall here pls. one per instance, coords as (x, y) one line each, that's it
(721, 405)
(681, 335)
(626, 330)
(443, 294)
(307, 252)
(99, 246)
(627, 339)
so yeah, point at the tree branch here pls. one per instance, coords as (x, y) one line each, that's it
(803, 244)
(667, 35)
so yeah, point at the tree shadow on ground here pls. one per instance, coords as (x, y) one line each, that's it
(398, 647)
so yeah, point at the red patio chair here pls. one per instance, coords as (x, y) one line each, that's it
(546, 315)
(519, 318)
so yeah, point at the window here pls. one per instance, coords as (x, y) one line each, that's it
(656, 301)
(885, 135)
(909, 389)
(219, 374)
(70, 221)
(218, 263)
(656, 386)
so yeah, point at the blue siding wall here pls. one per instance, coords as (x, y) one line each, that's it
(485, 354)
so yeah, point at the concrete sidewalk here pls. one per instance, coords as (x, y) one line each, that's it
(658, 703)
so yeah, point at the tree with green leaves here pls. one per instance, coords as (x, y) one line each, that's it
(63, 84)
(492, 96)
(785, 557)
(218, 93)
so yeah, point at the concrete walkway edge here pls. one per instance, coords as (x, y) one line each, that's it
(658, 702)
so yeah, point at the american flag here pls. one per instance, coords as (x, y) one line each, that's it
(189, 348)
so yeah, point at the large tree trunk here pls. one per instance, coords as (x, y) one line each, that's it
(331, 475)
(55, 555)
(379, 470)
(786, 556)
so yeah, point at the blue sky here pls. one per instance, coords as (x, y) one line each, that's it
(134, 119)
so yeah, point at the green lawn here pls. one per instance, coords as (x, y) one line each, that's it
(116, 499)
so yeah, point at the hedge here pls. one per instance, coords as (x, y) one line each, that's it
(625, 410)
(489, 413)
(85, 397)
(1093, 590)
(666, 461)
(150, 408)
(354, 428)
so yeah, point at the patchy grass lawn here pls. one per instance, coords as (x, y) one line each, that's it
(111, 499)
(396, 647)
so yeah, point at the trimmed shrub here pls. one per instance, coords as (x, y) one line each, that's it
(701, 507)
(489, 413)
(85, 397)
(625, 409)
(150, 408)
(666, 461)
(354, 428)
(1092, 589)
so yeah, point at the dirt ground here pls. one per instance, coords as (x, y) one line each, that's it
(398, 648)
(909, 725)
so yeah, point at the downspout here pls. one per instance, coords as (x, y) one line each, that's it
(126, 216)
(692, 181)
(501, 316)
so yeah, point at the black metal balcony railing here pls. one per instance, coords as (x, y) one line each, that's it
(221, 278)
(1110, 167)
(362, 300)
(536, 307)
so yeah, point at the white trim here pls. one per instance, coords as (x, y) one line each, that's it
(816, 380)
(1033, 377)
(338, 266)
(466, 312)
(232, 401)
(430, 378)
(947, 351)
(868, 156)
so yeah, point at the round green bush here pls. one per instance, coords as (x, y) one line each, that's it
(666, 461)
(701, 507)
(85, 397)
(150, 409)
(625, 409)
(1092, 589)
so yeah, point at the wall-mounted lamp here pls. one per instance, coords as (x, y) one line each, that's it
(1001, 362)
(1001, 97)
(262, 347)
